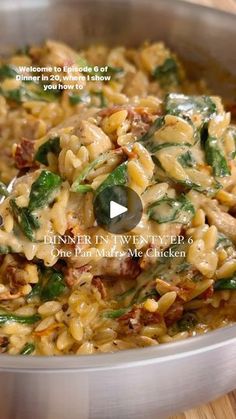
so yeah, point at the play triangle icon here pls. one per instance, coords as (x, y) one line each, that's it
(116, 209)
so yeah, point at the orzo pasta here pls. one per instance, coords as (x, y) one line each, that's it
(63, 291)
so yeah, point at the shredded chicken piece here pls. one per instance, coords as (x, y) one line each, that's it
(174, 313)
(97, 283)
(73, 275)
(133, 321)
(223, 221)
(16, 275)
(125, 267)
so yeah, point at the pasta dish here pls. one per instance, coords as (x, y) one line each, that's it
(112, 118)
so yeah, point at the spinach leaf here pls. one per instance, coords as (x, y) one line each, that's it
(180, 105)
(125, 294)
(81, 61)
(111, 192)
(187, 322)
(4, 250)
(35, 292)
(149, 294)
(53, 285)
(3, 189)
(119, 176)
(147, 139)
(9, 317)
(15, 95)
(223, 241)
(115, 72)
(100, 95)
(52, 146)
(7, 72)
(152, 145)
(232, 132)
(41, 194)
(167, 72)
(216, 158)
(187, 159)
(42, 95)
(86, 171)
(22, 95)
(161, 175)
(167, 210)
(225, 284)
(75, 98)
(183, 267)
(27, 349)
(84, 188)
(114, 314)
(43, 189)
(25, 220)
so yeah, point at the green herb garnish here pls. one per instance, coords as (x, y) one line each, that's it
(4, 250)
(25, 220)
(147, 139)
(3, 189)
(43, 190)
(225, 284)
(223, 241)
(187, 322)
(167, 72)
(114, 314)
(115, 72)
(119, 176)
(7, 72)
(215, 157)
(50, 146)
(23, 94)
(53, 285)
(10, 317)
(78, 183)
(187, 159)
(35, 292)
(27, 349)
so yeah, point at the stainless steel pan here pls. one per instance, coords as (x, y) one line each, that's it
(151, 382)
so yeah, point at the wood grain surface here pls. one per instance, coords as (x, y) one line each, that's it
(228, 5)
(225, 406)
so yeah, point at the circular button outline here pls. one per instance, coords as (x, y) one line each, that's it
(125, 196)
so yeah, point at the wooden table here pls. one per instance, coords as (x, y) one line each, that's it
(224, 407)
(228, 5)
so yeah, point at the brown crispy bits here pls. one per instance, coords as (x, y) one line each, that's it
(14, 278)
(130, 322)
(97, 283)
(24, 154)
(174, 313)
(4, 342)
(148, 318)
(208, 293)
(134, 320)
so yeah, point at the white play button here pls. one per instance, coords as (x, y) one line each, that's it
(116, 209)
